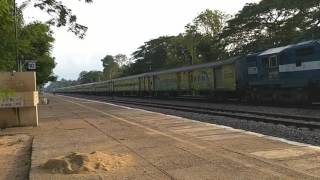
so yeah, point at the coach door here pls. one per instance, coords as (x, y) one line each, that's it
(141, 84)
(154, 83)
(273, 67)
(191, 81)
(218, 78)
(179, 80)
(150, 84)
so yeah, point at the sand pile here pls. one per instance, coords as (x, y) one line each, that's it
(76, 163)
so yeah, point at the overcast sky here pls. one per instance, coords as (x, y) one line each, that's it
(121, 26)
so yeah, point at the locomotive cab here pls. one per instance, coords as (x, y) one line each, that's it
(288, 74)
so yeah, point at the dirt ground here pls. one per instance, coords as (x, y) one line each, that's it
(15, 156)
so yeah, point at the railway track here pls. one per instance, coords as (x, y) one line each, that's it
(310, 122)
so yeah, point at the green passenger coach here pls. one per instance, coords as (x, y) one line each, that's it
(211, 79)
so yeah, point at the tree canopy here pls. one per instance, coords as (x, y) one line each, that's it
(198, 44)
(214, 35)
(272, 23)
(61, 15)
(61, 83)
(89, 77)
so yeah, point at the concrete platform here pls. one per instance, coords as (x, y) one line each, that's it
(161, 146)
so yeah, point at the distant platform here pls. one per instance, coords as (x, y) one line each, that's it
(138, 144)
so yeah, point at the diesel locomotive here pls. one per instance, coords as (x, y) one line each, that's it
(288, 74)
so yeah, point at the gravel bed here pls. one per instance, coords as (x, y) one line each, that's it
(302, 135)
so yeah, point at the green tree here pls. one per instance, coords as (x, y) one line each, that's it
(59, 84)
(90, 77)
(7, 41)
(270, 23)
(45, 65)
(121, 59)
(152, 56)
(61, 15)
(111, 68)
(202, 36)
(34, 42)
(208, 22)
(199, 43)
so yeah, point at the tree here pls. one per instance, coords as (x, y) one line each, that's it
(45, 65)
(34, 42)
(121, 59)
(90, 77)
(208, 22)
(7, 40)
(199, 43)
(111, 68)
(152, 56)
(270, 23)
(59, 84)
(61, 15)
(202, 36)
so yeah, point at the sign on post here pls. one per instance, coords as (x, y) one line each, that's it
(31, 65)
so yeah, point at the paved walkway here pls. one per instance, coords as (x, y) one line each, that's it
(161, 146)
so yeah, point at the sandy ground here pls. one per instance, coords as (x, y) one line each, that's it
(94, 162)
(80, 139)
(15, 155)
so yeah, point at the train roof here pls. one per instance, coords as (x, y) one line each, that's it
(275, 50)
(185, 68)
(283, 48)
(198, 66)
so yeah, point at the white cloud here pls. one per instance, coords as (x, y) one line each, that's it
(121, 26)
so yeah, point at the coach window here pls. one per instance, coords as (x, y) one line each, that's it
(273, 61)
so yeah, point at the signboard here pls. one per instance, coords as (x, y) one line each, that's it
(31, 65)
(8, 99)
(11, 102)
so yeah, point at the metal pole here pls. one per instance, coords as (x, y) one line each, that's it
(16, 37)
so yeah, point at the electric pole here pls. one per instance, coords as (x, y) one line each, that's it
(16, 37)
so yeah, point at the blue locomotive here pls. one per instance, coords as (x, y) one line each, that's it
(288, 74)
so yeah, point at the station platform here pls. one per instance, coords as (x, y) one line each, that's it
(157, 146)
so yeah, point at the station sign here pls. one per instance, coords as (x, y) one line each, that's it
(31, 65)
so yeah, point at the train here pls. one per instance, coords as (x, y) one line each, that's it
(289, 74)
